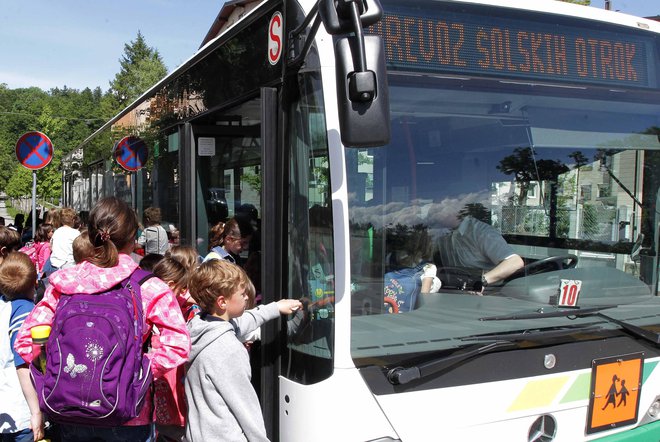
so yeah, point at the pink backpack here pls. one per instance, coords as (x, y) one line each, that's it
(31, 249)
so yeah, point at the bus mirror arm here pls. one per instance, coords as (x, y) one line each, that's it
(296, 36)
(347, 16)
(361, 82)
(339, 16)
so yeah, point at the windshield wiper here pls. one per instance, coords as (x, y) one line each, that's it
(550, 313)
(639, 332)
(634, 330)
(402, 375)
(529, 335)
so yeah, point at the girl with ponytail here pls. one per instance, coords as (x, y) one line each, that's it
(112, 228)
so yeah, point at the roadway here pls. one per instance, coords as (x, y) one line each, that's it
(3, 212)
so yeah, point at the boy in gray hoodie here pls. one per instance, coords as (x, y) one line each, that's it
(222, 405)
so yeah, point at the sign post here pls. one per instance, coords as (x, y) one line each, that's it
(131, 153)
(34, 151)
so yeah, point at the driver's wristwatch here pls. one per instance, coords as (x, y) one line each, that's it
(480, 285)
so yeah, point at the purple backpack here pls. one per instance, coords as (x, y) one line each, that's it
(97, 373)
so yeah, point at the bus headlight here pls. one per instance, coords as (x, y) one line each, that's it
(654, 409)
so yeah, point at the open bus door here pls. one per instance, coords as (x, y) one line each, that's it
(235, 163)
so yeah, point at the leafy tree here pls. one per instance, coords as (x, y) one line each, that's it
(20, 183)
(66, 116)
(141, 67)
(475, 210)
(522, 166)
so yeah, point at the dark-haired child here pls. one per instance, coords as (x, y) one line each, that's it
(149, 261)
(39, 249)
(169, 397)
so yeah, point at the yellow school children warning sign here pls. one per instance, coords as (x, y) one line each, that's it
(616, 385)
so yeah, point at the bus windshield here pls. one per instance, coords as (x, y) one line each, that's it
(567, 178)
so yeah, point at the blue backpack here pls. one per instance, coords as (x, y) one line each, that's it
(401, 288)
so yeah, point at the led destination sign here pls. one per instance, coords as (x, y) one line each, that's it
(488, 45)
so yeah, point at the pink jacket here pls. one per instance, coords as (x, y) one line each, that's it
(160, 306)
(43, 253)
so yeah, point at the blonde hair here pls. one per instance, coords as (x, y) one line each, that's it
(18, 276)
(251, 293)
(215, 278)
(67, 216)
(186, 255)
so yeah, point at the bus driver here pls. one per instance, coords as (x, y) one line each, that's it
(477, 245)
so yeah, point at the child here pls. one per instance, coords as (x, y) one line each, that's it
(82, 247)
(112, 228)
(225, 242)
(149, 261)
(154, 237)
(186, 255)
(39, 249)
(188, 258)
(52, 217)
(10, 241)
(169, 396)
(17, 280)
(222, 405)
(61, 255)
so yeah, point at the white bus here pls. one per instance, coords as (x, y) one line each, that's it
(350, 153)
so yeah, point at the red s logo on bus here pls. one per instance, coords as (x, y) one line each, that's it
(275, 38)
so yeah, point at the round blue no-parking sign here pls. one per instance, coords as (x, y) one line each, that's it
(34, 150)
(131, 153)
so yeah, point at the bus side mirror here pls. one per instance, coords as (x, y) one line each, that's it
(362, 97)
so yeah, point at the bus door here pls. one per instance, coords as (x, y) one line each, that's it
(236, 176)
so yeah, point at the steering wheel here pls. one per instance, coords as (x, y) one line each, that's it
(548, 264)
(457, 278)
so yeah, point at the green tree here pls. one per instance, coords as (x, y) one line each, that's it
(140, 67)
(20, 183)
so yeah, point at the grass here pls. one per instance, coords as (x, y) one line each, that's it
(10, 210)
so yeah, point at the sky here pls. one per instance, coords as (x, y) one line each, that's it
(78, 43)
